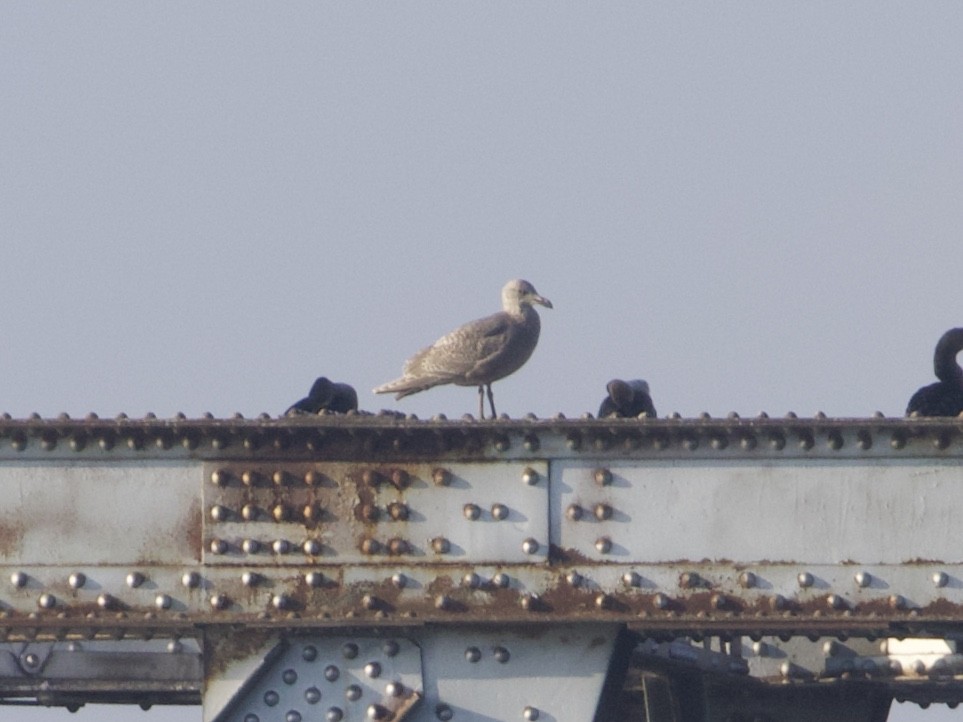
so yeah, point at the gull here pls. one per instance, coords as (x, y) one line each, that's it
(479, 352)
(945, 397)
(326, 395)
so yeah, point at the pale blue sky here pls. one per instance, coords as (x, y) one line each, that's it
(755, 206)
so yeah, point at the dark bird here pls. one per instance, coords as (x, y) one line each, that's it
(945, 397)
(480, 352)
(326, 395)
(627, 399)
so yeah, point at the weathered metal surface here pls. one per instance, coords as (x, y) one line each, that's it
(819, 512)
(228, 531)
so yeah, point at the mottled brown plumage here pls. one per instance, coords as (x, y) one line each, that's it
(480, 352)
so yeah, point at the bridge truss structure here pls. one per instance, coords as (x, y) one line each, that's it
(378, 567)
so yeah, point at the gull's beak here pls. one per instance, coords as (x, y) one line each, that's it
(541, 300)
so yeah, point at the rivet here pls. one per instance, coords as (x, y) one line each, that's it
(574, 512)
(440, 545)
(398, 511)
(331, 673)
(499, 512)
(443, 712)
(442, 601)
(220, 601)
(603, 601)
(311, 512)
(313, 478)
(530, 713)
(471, 511)
(941, 441)
(747, 580)
(864, 440)
(281, 478)
(603, 477)
(603, 545)
(376, 711)
(760, 649)
(690, 443)
(397, 546)
(271, 698)
(218, 546)
(785, 669)
(689, 580)
(78, 442)
(370, 478)
(940, 579)
(106, 601)
(898, 440)
(250, 579)
(370, 546)
(574, 579)
(529, 602)
(314, 579)
(293, 716)
(530, 476)
(805, 579)
(719, 442)
(530, 546)
(18, 579)
(863, 579)
(835, 601)
(391, 648)
(334, 714)
(399, 580)
(281, 601)
(349, 650)
(835, 440)
(249, 512)
(718, 601)
(251, 546)
(135, 579)
(777, 441)
(219, 513)
(280, 512)
(603, 512)
(831, 648)
(19, 442)
(400, 478)
(501, 655)
(281, 546)
(311, 547)
(502, 443)
(250, 478)
(221, 477)
(163, 601)
(631, 579)
(661, 601)
(473, 654)
(897, 601)
(369, 512)
(372, 670)
(806, 441)
(77, 580)
(471, 580)
(531, 442)
(441, 477)
(47, 601)
(191, 580)
(353, 693)
(501, 580)
(573, 442)
(748, 442)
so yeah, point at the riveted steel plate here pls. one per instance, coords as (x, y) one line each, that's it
(555, 673)
(349, 678)
(812, 512)
(267, 514)
(98, 513)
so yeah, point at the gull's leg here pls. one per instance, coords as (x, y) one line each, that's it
(491, 400)
(481, 402)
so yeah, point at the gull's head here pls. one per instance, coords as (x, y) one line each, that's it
(518, 293)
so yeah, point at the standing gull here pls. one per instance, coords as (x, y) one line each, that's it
(480, 352)
(945, 397)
